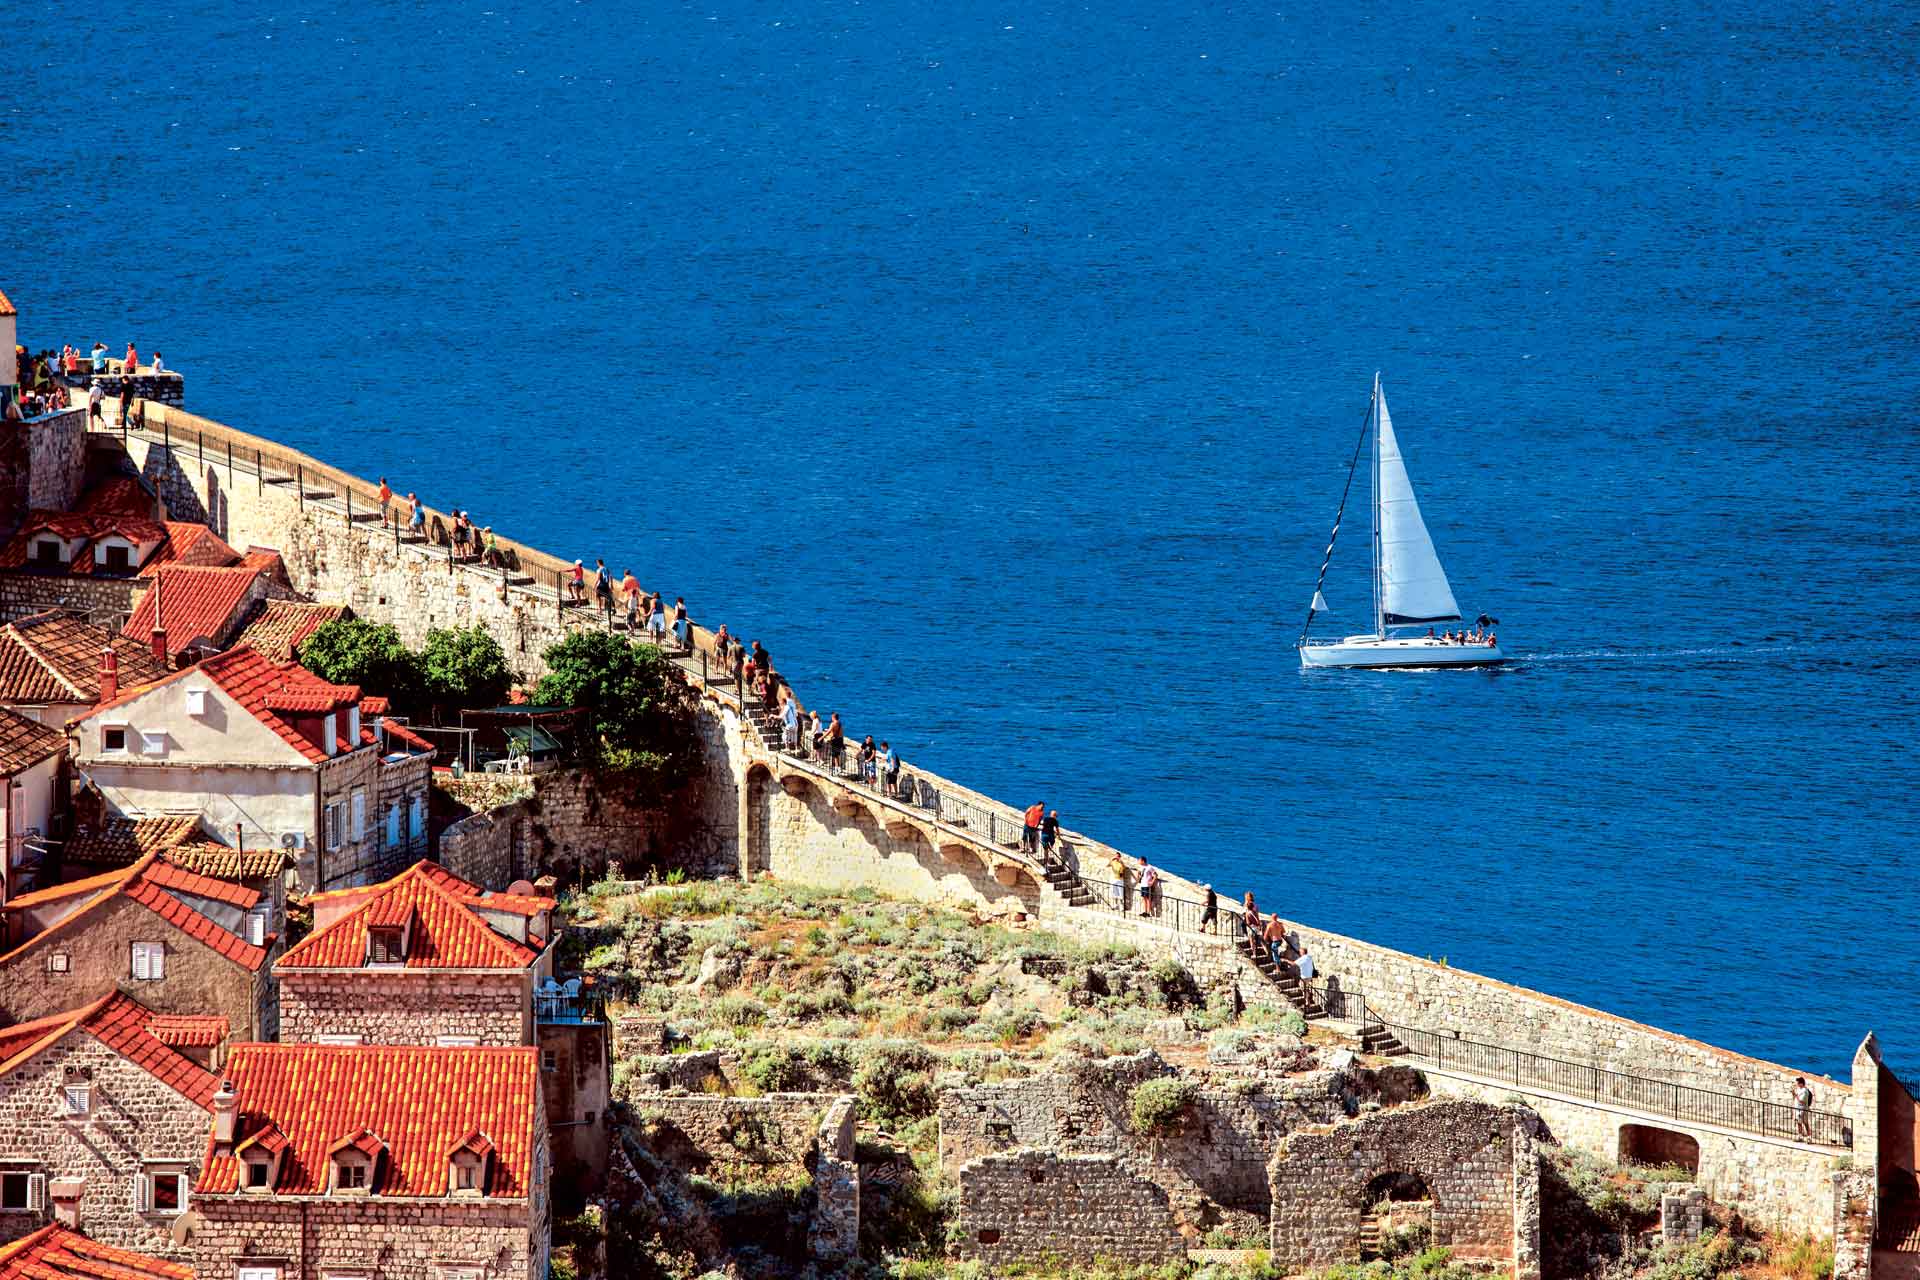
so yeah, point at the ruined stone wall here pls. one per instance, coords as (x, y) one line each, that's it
(769, 1138)
(406, 1006)
(577, 825)
(1474, 1158)
(1034, 1205)
(833, 1232)
(135, 1120)
(1779, 1185)
(1852, 1217)
(400, 1239)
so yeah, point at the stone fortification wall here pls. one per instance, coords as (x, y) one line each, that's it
(1780, 1185)
(1027, 1205)
(1478, 1161)
(407, 1007)
(768, 1138)
(41, 465)
(1851, 1206)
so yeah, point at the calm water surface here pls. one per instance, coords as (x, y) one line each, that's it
(997, 366)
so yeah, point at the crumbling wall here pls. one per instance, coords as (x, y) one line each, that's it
(1478, 1161)
(1064, 1208)
(768, 1139)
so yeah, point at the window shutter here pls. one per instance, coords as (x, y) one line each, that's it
(359, 815)
(158, 961)
(142, 1194)
(36, 1191)
(140, 961)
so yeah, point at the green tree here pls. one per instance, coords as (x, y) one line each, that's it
(464, 669)
(369, 654)
(640, 711)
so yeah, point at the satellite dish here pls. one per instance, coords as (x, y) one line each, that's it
(522, 888)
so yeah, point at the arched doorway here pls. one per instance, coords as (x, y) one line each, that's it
(1649, 1144)
(756, 826)
(1399, 1215)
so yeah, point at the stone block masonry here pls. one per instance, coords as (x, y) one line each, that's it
(408, 1006)
(1030, 1205)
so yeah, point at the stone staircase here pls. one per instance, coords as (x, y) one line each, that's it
(1297, 993)
(1377, 1039)
(1370, 1236)
(1071, 888)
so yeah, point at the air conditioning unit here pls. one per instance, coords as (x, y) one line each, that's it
(294, 840)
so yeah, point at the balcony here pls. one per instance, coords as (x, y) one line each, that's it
(571, 1001)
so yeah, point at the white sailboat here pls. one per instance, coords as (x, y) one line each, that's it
(1410, 589)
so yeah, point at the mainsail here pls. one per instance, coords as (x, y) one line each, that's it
(1413, 587)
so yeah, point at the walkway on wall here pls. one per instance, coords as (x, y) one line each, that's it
(939, 808)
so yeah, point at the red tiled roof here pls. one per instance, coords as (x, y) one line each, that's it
(194, 602)
(193, 1031)
(25, 743)
(191, 544)
(224, 863)
(56, 1253)
(119, 496)
(446, 934)
(87, 528)
(124, 1025)
(55, 657)
(178, 879)
(400, 733)
(117, 841)
(135, 884)
(6, 307)
(279, 627)
(422, 1100)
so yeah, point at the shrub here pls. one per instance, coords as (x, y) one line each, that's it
(776, 1069)
(894, 1082)
(1803, 1258)
(1160, 1105)
(739, 1011)
(1173, 985)
(641, 712)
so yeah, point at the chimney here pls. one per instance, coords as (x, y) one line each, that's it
(109, 674)
(226, 1114)
(159, 631)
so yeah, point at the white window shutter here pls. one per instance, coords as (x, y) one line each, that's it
(159, 961)
(359, 815)
(139, 961)
(142, 1194)
(36, 1191)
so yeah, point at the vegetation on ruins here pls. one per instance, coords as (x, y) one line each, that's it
(1159, 1107)
(454, 669)
(642, 714)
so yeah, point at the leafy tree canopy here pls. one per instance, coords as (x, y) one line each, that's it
(465, 668)
(369, 654)
(640, 712)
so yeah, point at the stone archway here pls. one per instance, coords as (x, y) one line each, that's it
(756, 822)
(1650, 1144)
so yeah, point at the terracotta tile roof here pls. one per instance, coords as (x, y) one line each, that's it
(115, 841)
(88, 528)
(6, 307)
(55, 657)
(446, 934)
(178, 879)
(190, 544)
(397, 732)
(194, 602)
(225, 863)
(56, 1253)
(265, 560)
(25, 743)
(124, 1025)
(253, 681)
(119, 496)
(278, 627)
(193, 1031)
(422, 1101)
(134, 884)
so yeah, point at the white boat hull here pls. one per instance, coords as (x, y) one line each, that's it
(1372, 651)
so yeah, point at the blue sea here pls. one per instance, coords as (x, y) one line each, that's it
(998, 366)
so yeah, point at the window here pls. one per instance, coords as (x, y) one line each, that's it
(257, 924)
(359, 813)
(153, 744)
(456, 1273)
(456, 1042)
(549, 1060)
(259, 1173)
(386, 946)
(76, 1100)
(393, 825)
(149, 961)
(114, 557)
(161, 1189)
(417, 818)
(340, 1037)
(466, 1175)
(256, 1272)
(336, 824)
(353, 1176)
(22, 1189)
(59, 962)
(196, 702)
(49, 551)
(113, 737)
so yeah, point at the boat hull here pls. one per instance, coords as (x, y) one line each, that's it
(1397, 654)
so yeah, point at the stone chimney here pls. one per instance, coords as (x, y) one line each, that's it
(109, 674)
(226, 1114)
(159, 637)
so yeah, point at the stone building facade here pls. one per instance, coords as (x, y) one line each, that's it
(1478, 1165)
(105, 1123)
(410, 1119)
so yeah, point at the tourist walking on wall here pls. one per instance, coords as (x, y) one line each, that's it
(1250, 915)
(416, 515)
(817, 738)
(577, 582)
(96, 396)
(868, 760)
(1802, 1108)
(132, 361)
(837, 744)
(657, 621)
(603, 589)
(889, 769)
(630, 588)
(386, 502)
(1122, 878)
(790, 723)
(1276, 937)
(126, 402)
(492, 549)
(1049, 832)
(1149, 888)
(682, 625)
(1209, 910)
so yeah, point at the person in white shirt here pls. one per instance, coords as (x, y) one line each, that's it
(159, 365)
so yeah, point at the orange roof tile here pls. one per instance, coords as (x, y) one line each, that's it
(177, 879)
(193, 1031)
(124, 1025)
(55, 1252)
(398, 732)
(118, 841)
(422, 1100)
(190, 544)
(86, 528)
(194, 602)
(25, 743)
(225, 863)
(55, 657)
(118, 496)
(446, 934)
(279, 627)
(135, 884)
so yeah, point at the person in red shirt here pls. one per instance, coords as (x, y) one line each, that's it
(386, 500)
(1030, 837)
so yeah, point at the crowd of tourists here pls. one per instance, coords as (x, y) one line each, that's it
(1477, 636)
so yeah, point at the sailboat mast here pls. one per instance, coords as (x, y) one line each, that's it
(1379, 618)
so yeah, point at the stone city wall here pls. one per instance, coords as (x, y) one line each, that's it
(1037, 1205)
(1780, 1185)
(414, 1006)
(1476, 1160)
(1852, 1214)
(769, 1138)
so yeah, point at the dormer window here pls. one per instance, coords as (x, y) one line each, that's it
(387, 945)
(116, 557)
(355, 1164)
(49, 552)
(259, 1156)
(468, 1165)
(259, 1172)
